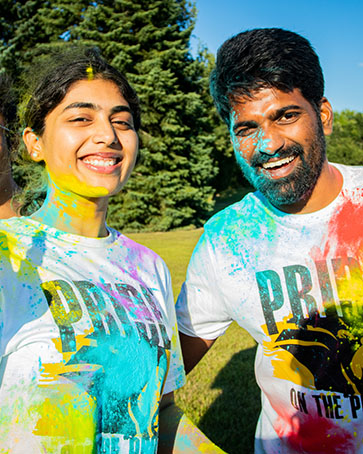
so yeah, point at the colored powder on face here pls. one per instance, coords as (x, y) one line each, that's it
(245, 145)
(70, 183)
(261, 143)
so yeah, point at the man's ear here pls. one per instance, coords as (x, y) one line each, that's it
(326, 115)
(33, 144)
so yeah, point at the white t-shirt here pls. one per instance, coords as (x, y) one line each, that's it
(88, 342)
(294, 282)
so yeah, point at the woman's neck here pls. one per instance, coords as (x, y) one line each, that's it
(74, 214)
(8, 188)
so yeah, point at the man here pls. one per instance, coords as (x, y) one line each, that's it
(285, 262)
(7, 116)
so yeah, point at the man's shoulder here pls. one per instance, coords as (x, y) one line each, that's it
(353, 175)
(238, 216)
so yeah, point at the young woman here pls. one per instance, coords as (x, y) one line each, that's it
(88, 337)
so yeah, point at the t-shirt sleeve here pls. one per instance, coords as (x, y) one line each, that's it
(201, 309)
(176, 375)
(5, 271)
(2, 306)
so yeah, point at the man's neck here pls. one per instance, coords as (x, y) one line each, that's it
(327, 188)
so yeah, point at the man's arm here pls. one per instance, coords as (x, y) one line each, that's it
(178, 435)
(193, 349)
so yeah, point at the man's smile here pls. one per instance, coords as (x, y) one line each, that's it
(278, 163)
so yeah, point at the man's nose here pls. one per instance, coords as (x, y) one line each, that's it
(269, 141)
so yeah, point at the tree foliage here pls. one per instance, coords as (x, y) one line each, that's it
(345, 145)
(181, 135)
(30, 28)
(186, 157)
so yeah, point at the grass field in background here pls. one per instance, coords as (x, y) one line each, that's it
(221, 395)
(174, 247)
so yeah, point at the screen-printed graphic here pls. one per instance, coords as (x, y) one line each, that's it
(114, 371)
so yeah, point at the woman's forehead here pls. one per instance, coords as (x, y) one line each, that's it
(84, 90)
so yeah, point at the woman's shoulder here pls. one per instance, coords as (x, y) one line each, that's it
(14, 226)
(136, 251)
(16, 234)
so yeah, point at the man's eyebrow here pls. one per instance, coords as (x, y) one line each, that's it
(244, 124)
(280, 112)
(273, 116)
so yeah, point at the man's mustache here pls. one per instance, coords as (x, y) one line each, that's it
(260, 158)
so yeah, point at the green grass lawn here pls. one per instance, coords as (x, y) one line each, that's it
(221, 395)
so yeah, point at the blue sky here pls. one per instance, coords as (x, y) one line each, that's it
(334, 27)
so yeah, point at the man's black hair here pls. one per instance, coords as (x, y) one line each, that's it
(265, 58)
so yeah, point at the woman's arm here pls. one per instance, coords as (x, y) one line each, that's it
(178, 435)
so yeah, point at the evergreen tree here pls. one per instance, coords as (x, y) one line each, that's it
(149, 42)
(31, 28)
(229, 183)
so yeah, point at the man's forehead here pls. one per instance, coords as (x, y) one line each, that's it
(266, 100)
(272, 93)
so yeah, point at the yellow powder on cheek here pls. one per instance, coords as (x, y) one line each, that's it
(72, 184)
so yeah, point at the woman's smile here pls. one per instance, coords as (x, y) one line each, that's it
(102, 162)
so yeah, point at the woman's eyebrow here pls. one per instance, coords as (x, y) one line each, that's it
(121, 108)
(82, 105)
(89, 105)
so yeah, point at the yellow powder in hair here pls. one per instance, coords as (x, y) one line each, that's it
(90, 75)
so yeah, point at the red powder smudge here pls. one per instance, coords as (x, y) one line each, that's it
(345, 227)
(316, 435)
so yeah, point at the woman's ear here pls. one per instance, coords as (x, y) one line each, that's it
(33, 144)
(326, 115)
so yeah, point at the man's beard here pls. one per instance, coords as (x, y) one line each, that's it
(297, 185)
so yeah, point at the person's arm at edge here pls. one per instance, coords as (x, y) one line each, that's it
(177, 434)
(193, 350)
